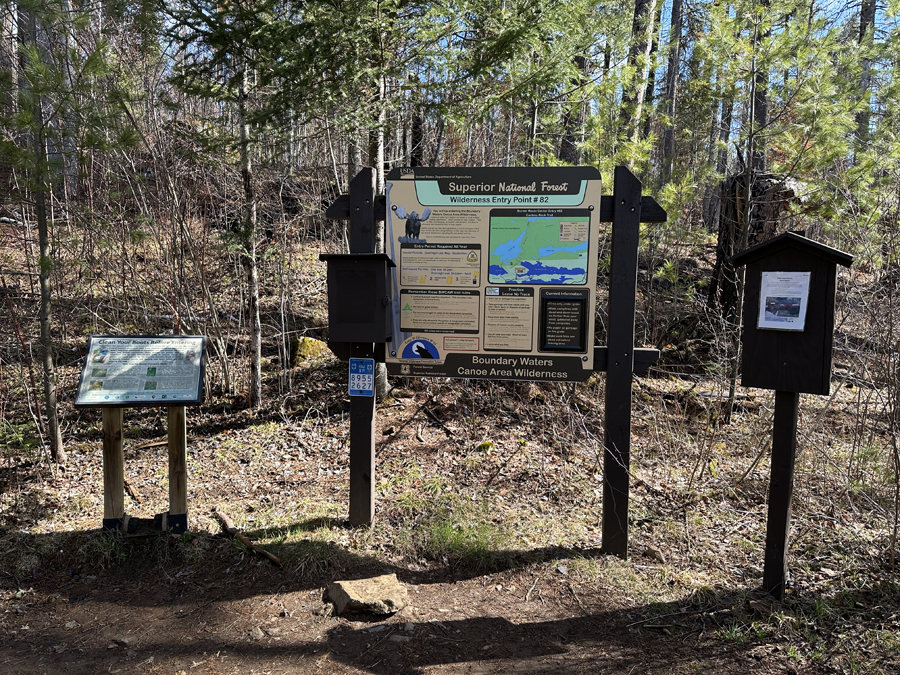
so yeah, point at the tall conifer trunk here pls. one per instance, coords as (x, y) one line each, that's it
(574, 116)
(638, 60)
(759, 119)
(650, 88)
(866, 38)
(382, 386)
(672, 71)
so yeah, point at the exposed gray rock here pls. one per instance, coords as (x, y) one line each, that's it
(379, 595)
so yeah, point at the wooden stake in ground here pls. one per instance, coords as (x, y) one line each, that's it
(113, 470)
(243, 538)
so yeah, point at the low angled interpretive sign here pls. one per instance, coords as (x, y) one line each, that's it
(142, 370)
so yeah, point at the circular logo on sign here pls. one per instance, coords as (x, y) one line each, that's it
(420, 349)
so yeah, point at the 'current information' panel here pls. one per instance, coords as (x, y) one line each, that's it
(496, 272)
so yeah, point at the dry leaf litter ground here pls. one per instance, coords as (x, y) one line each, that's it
(488, 508)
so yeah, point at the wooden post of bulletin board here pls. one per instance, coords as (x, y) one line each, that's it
(788, 331)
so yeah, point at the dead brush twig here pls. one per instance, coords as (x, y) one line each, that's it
(244, 539)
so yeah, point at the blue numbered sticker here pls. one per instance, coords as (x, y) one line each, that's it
(362, 377)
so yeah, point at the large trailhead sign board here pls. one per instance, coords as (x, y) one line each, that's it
(495, 273)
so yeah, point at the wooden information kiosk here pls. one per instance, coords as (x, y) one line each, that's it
(787, 340)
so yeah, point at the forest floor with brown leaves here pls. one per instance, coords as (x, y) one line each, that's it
(488, 510)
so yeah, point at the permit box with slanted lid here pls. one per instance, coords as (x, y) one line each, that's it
(359, 305)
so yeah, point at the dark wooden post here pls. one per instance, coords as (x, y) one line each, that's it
(177, 517)
(362, 408)
(620, 365)
(781, 490)
(113, 470)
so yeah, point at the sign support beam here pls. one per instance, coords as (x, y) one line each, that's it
(362, 408)
(113, 470)
(781, 491)
(620, 363)
(177, 518)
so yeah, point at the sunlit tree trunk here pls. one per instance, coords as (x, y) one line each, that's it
(40, 187)
(248, 255)
(638, 61)
(650, 88)
(756, 143)
(9, 72)
(382, 386)
(354, 155)
(866, 38)
(417, 136)
(574, 116)
(672, 71)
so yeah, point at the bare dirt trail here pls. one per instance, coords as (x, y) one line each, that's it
(245, 617)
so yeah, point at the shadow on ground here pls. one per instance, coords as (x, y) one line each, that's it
(191, 607)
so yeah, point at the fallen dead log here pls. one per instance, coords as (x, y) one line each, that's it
(243, 538)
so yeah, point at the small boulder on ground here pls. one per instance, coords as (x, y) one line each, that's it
(379, 595)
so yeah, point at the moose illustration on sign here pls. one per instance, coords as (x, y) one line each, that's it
(413, 225)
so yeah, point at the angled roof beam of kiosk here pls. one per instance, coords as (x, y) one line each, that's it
(651, 211)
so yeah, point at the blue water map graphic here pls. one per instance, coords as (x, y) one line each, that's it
(538, 250)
